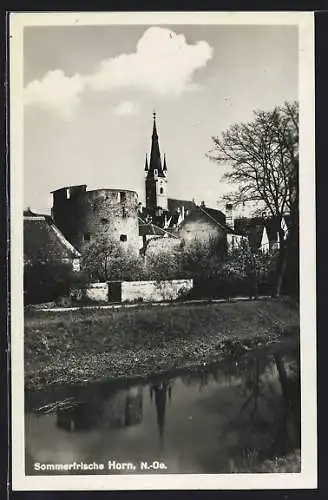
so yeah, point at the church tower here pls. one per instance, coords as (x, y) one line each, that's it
(156, 176)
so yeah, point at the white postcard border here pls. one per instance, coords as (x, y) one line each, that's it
(308, 476)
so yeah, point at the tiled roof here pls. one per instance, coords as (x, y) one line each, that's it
(215, 215)
(42, 239)
(173, 204)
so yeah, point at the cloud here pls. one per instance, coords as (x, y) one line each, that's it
(126, 108)
(55, 92)
(163, 63)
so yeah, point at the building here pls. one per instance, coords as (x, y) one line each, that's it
(263, 233)
(115, 214)
(165, 217)
(45, 243)
(156, 239)
(85, 215)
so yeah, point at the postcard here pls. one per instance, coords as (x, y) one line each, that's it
(163, 295)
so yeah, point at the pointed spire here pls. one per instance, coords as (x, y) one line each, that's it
(155, 162)
(160, 391)
(154, 125)
(164, 164)
(146, 164)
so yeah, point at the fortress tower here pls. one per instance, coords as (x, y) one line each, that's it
(84, 215)
(155, 176)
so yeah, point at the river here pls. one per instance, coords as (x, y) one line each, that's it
(220, 419)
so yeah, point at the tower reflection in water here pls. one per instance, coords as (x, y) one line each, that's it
(160, 393)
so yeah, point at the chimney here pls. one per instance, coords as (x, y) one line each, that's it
(229, 216)
(202, 203)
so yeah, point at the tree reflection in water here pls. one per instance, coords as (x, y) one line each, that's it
(268, 422)
(269, 418)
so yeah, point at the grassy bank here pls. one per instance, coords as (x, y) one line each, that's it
(80, 346)
(289, 463)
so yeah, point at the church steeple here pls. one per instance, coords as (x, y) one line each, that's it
(155, 163)
(155, 172)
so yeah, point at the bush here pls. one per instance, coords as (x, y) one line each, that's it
(202, 258)
(46, 281)
(239, 272)
(105, 260)
(162, 266)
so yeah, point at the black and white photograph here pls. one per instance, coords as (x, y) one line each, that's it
(162, 250)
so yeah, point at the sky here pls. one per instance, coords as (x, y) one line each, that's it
(90, 91)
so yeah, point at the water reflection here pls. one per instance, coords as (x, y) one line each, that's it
(121, 409)
(161, 392)
(217, 420)
(270, 411)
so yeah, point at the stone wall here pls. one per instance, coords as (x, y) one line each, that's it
(96, 292)
(153, 291)
(134, 291)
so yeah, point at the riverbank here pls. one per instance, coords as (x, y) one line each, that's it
(290, 463)
(76, 347)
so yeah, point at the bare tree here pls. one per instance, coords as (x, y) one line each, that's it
(262, 159)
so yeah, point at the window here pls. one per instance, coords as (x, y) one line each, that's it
(87, 237)
(122, 197)
(161, 190)
(123, 212)
(104, 221)
(123, 237)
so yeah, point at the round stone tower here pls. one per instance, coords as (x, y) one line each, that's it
(85, 215)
